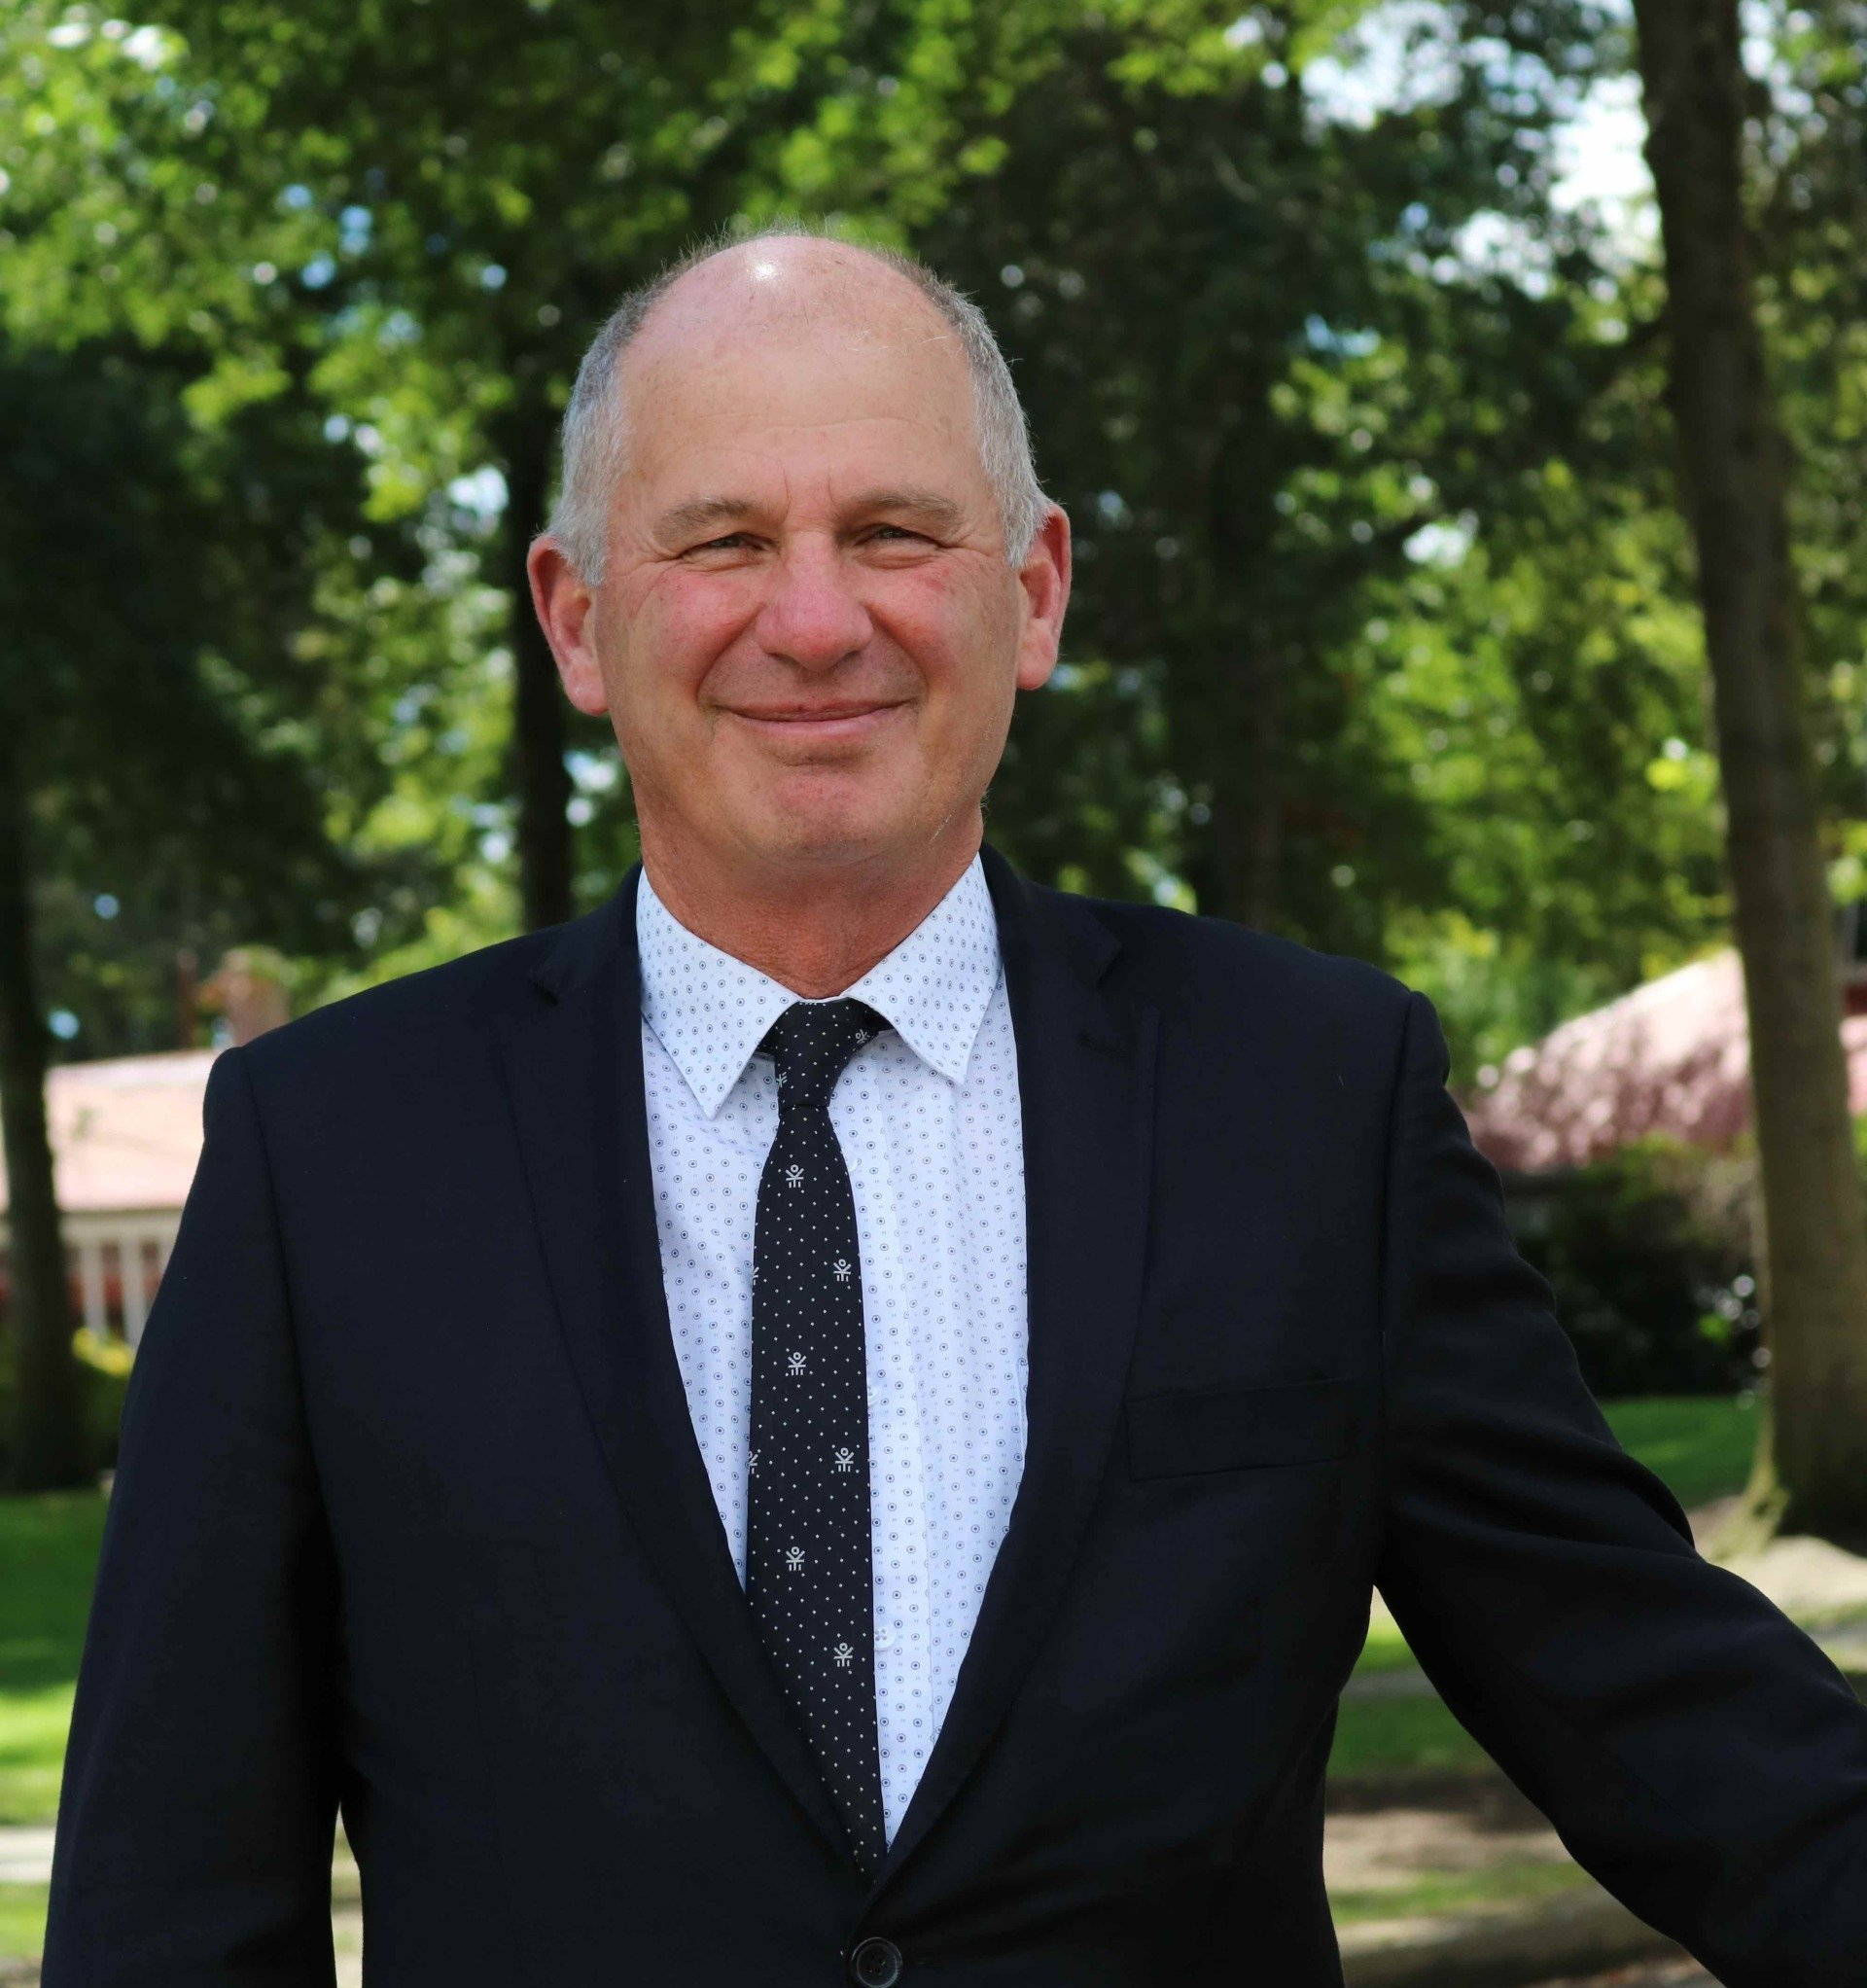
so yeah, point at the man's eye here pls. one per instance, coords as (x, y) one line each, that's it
(901, 531)
(727, 543)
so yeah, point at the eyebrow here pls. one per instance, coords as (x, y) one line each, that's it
(698, 512)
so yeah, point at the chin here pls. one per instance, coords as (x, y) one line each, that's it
(833, 821)
(833, 835)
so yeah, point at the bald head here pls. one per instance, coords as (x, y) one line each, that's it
(783, 292)
(795, 281)
(779, 286)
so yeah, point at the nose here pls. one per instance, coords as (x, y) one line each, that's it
(812, 616)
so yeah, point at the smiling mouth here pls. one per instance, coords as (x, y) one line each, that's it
(818, 721)
(805, 714)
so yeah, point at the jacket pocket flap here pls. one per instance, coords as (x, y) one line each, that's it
(1227, 1428)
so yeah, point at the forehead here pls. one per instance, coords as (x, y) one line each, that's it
(799, 360)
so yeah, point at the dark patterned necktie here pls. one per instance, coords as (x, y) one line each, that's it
(808, 1578)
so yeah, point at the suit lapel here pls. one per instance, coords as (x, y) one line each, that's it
(1085, 1070)
(1085, 1073)
(573, 1063)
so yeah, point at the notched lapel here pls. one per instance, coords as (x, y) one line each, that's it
(1085, 1082)
(574, 1064)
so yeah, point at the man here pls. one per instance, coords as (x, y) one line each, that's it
(836, 1418)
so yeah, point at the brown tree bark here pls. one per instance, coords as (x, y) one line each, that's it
(1247, 797)
(1811, 1465)
(541, 778)
(48, 1451)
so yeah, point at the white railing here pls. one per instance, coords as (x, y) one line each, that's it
(115, 1262)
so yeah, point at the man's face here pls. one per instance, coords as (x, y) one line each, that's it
(808, 637)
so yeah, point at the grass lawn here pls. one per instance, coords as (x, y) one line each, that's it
(48, 1557)
(22, 1920)
(1518, 1882)
(1702, 1447)
(1386, 1650)
(32, 1751)
(1400, 1736)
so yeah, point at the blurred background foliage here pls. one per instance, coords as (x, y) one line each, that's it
(1384, 633)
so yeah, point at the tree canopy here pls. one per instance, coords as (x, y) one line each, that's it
(1384, 632)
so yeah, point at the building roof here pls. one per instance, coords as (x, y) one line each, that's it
(126, 1130)
(1671, 1057)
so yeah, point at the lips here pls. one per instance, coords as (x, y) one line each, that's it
(811, 726)
(812, 714)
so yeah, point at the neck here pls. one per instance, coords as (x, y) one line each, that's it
(816, 932)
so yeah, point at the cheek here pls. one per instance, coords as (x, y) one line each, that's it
(677, 628)
(957, 630)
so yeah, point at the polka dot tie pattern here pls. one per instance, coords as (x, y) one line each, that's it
(930, 1121)
(808, 1574)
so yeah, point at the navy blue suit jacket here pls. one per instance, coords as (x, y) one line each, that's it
(409, 1518)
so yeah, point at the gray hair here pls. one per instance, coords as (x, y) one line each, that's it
(594, 446)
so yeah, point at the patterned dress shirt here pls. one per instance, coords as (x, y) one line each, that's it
(927, 1118)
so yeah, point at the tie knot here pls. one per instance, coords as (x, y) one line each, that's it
(811, 1041)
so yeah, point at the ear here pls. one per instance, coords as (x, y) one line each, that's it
(1044, 577)
(565, 607)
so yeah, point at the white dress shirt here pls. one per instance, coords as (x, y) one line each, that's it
(927, 1118)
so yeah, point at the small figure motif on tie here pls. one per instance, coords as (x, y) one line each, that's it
(807, 1314)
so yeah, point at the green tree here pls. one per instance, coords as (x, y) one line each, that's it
(158, 521)
(121, 734)
(1286, 355)
(1733, 486)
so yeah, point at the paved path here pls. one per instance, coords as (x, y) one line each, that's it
(25, 1856)
(1662, 1974)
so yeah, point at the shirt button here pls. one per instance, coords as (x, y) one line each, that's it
(885, 1639)
(876, 1964)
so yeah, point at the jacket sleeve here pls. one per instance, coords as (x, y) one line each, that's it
(199, 1805)
(1694, 1750)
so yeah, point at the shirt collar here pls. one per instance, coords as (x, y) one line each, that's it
(710, 1010)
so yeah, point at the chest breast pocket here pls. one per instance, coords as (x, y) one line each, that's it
(1241, 1426)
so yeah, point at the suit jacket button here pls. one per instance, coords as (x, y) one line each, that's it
(875, 1964)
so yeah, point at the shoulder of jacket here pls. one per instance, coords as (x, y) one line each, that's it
(428, 1009)
(1175, 954)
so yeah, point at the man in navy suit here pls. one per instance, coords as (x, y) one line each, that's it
(837, 1419)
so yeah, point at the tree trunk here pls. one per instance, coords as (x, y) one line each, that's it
(1733, 480)
(1248, 800)
(48, 1451)
(541, 778)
